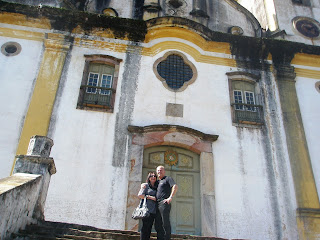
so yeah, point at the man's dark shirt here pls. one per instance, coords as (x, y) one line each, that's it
(164, 188)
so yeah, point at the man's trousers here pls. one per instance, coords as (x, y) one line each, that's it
(162, 221)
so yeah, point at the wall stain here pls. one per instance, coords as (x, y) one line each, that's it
(276, 167)
(126, 105)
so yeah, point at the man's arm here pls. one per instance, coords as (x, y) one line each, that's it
(142, 195)
(174, 189)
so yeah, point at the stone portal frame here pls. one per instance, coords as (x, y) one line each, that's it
(179, 136)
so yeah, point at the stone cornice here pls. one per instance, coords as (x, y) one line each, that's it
(309, 212)
(177, 128)
(40, 160)
(284, 72)
(68, 20)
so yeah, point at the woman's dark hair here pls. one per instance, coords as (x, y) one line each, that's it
(148, 180)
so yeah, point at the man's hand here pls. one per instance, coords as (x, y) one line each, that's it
(144, 185)
(174, 189)
(168, 200)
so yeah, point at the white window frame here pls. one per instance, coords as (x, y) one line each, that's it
(106, 92)
(237, 107)
(88, 83)
(246, 100)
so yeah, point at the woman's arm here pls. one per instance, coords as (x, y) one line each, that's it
(141, 193)
(153, 198)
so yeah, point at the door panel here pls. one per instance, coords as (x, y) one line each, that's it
(184, 167)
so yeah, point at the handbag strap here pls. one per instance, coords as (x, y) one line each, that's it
(144, 201)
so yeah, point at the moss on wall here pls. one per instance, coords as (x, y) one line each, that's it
(251, 50)
(66, 20)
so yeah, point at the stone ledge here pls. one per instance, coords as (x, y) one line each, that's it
(67, 20)
(16, 180)
(308, 212)
(177, 128)
(39, 160)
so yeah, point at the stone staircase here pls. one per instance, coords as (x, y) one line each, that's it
(55, 230)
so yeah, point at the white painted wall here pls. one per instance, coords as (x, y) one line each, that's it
(82, 190)
(18, 74)
(87, 189)
(242, 185)
(258, 9)
(309, 99)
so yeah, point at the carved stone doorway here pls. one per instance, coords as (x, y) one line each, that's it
(176, 137)
(184, 167)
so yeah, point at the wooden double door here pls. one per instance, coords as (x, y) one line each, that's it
(184, 167)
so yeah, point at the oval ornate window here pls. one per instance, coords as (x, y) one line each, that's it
(307, 27)
(175, 71)
(11, 49)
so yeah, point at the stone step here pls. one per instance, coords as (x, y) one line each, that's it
(56, 230)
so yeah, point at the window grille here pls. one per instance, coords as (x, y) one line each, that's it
(99, 82)
(175, 71)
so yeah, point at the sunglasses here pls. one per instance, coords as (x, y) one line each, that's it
(153, 176)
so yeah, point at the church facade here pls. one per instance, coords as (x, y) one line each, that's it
(224, 94)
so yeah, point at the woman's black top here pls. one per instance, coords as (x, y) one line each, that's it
(150, 203)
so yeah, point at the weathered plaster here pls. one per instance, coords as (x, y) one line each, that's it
(278, 167)
(15, 102)
(18, 196)
(126, 105)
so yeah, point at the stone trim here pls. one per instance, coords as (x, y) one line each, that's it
(179, 136)
(308, 211)
(243, 76)
(172, 128)
(40, 160)
(308, 220)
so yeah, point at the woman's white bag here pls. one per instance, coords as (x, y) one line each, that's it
(141, 211)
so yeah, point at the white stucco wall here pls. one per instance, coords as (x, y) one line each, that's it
(309, 99)
(88, 190)
(258, 9)
(18, 74)
(82, 189)
(245, 202)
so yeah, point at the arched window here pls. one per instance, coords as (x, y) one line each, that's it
(99, 82)
(244, 103)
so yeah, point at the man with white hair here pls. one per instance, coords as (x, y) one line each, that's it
(167, 188)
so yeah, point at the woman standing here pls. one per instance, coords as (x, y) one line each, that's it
(149, 190)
